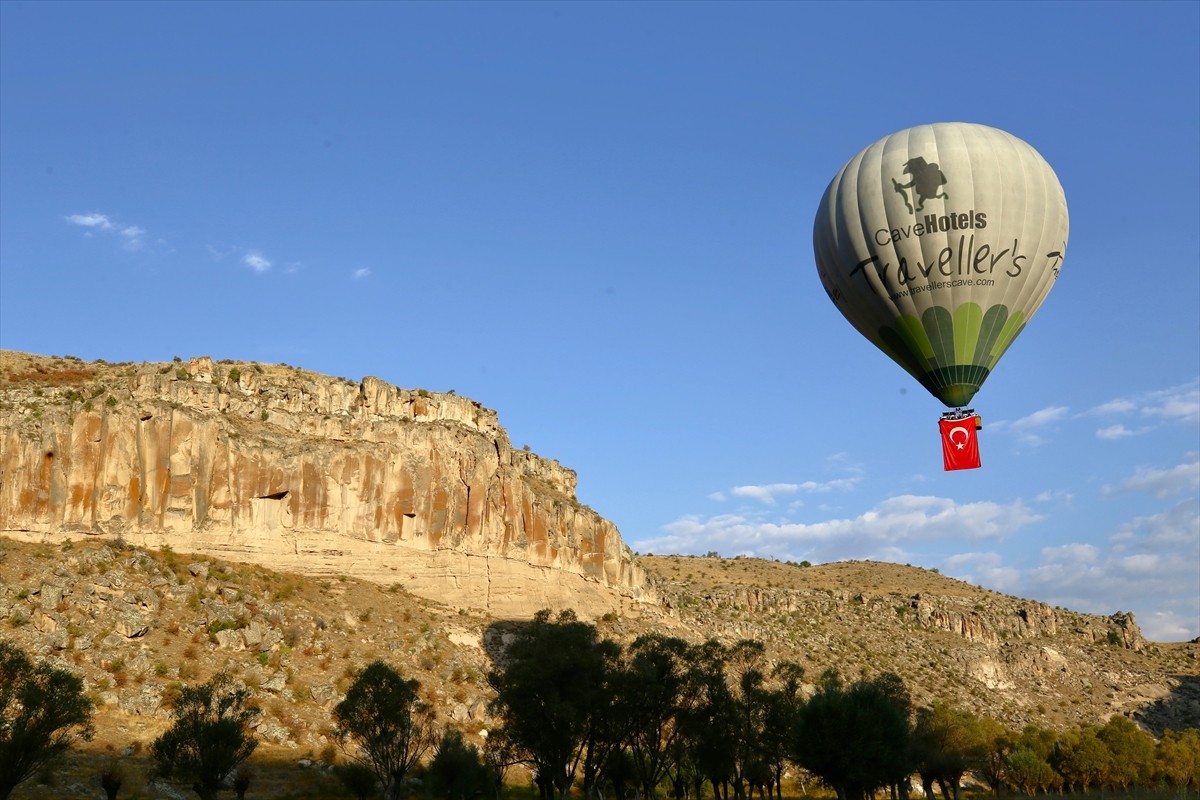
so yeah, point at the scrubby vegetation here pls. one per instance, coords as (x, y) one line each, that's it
(659, 718)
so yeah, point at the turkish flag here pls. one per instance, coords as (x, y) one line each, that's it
(960, 444)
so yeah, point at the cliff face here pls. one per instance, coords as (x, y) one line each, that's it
(302, 472)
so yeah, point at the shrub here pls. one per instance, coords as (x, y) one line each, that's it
(456, 771)
(43, 713)
(210, 736)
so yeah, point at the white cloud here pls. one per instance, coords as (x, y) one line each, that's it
(1151, 567)
(133, 236)
(255, 261)
(1055, 495)
(764, 494)
(769, 493)
(1164, 483)
(1040, 418)
(1025, 428)
(94, 220)
(839, 485)
(1176, 528)
(1118, 431)
(1072, 553)
(885, 532)
(1177, 404)
(1168, 626)
(983, 569)
(361, 272)
(1114, 407)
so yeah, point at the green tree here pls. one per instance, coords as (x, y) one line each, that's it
(607, 729)
(709, 742)
(43, 712)
(781, 707)
(383, 723)
(1177, 759)
(1043, 741)
(766, 706)
(855, 738)
(656, 687)
(752, 700)
(210, 735)
(456, 771)
(947, 743)
(1082, 759)
(554, 691)
(999, 741)
(1029, 772)
(1130, 750)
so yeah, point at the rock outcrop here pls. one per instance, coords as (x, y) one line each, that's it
(304, 473)
(1016, 660)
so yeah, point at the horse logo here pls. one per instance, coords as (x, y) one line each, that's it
(927, 181)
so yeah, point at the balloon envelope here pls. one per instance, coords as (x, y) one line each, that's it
(939, 243)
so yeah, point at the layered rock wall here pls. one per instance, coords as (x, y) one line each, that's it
(308, 473)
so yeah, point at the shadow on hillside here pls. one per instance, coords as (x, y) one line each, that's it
(498, 635)
(1179, 710)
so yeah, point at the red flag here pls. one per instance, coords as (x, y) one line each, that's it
(960, 444)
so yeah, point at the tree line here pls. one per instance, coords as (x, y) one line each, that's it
(657, 718)
(666, 717)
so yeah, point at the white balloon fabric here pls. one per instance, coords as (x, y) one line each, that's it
(939, 243)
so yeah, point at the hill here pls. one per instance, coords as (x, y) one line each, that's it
(161, 522)
(137, 624)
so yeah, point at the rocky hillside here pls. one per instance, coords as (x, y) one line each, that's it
(136, 624)
(161, 522)
(320, 475)
(1019, 661)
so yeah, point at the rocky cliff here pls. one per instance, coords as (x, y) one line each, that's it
(1016, 660)
(306, 473)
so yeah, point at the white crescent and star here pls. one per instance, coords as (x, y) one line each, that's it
(963, 431)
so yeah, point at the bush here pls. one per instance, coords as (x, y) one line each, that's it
(456, 771)
(43, 712)
(358, 778)
(210, 736)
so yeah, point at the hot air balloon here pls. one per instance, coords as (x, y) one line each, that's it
(939, 243)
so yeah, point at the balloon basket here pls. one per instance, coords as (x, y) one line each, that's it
(963, 413)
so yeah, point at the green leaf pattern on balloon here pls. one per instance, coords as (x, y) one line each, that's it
(939, 326)
(951, 354)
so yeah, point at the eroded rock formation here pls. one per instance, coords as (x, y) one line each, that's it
(303, 472)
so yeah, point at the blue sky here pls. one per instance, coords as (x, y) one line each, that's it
(596, 218)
